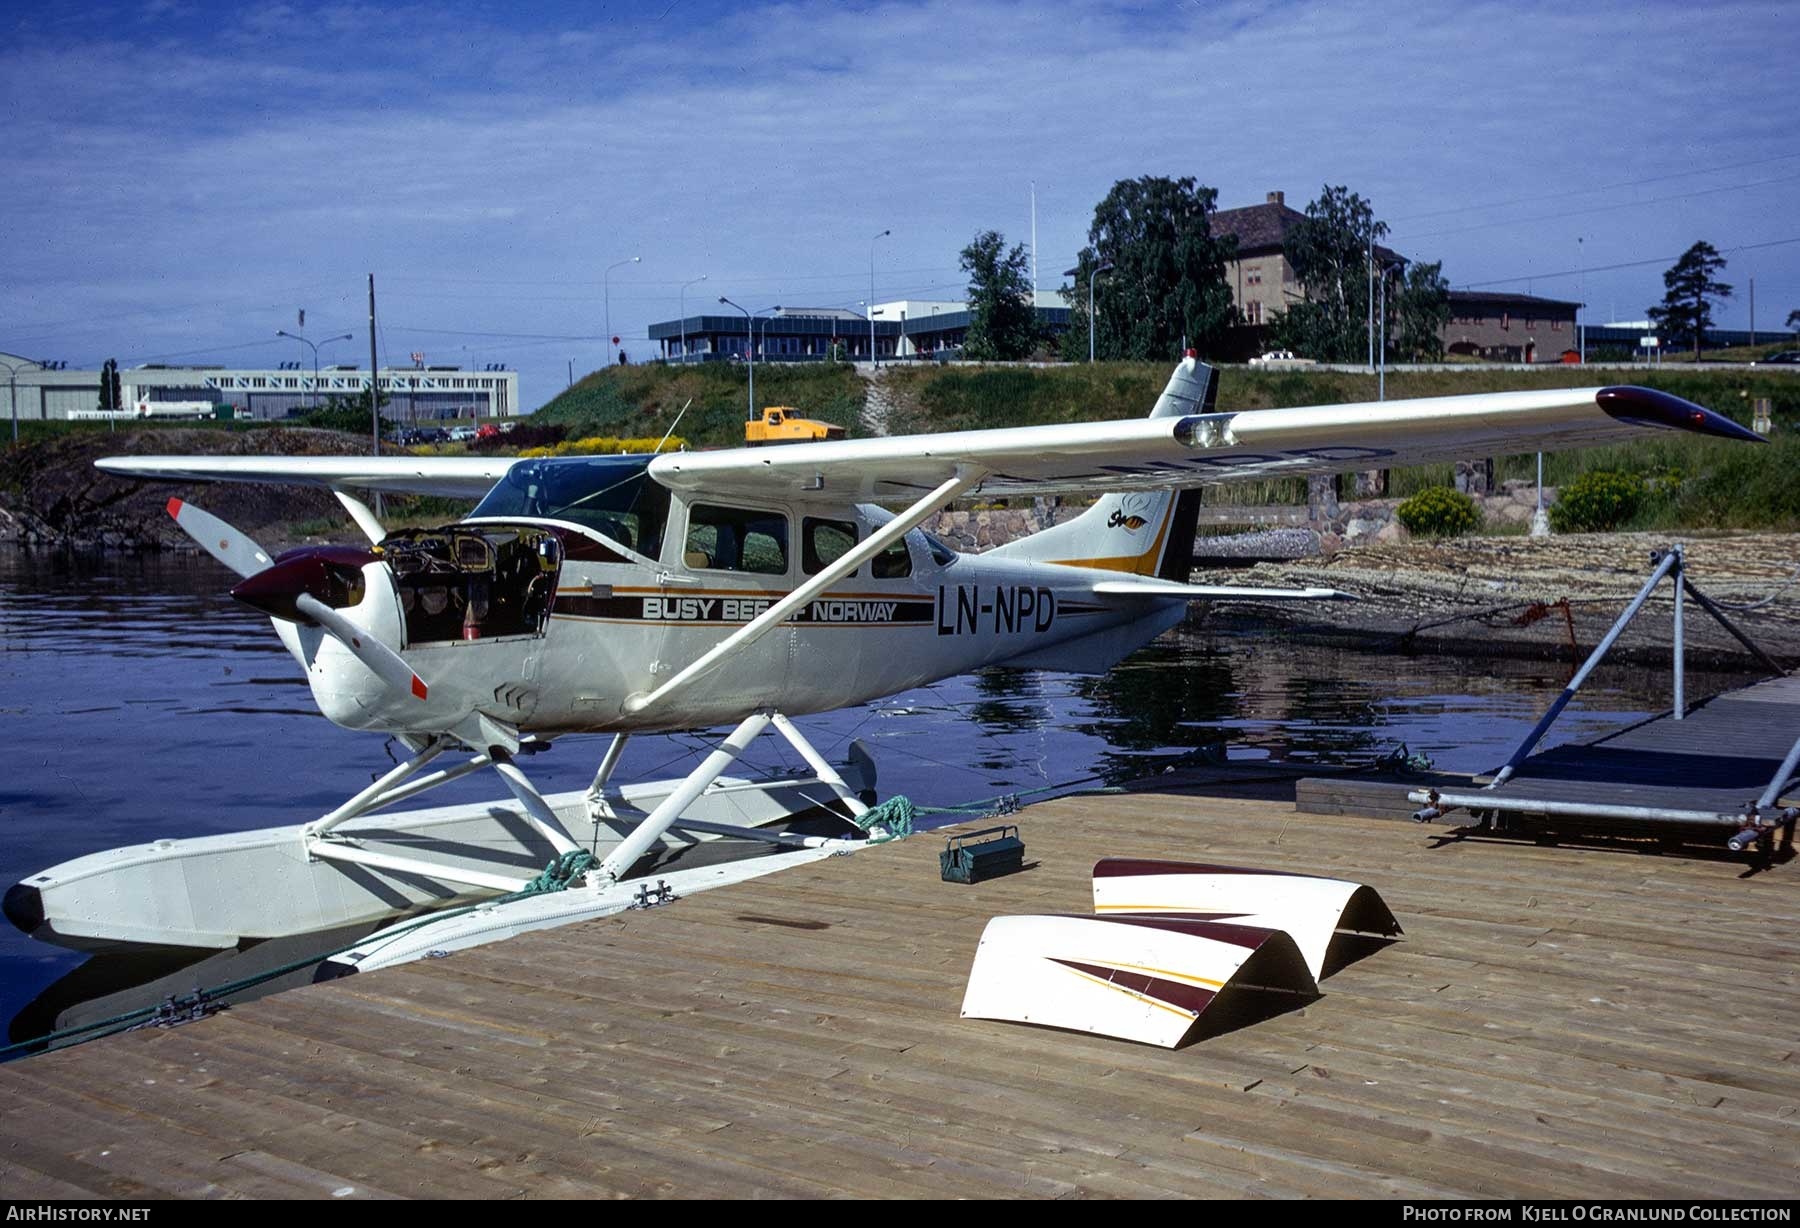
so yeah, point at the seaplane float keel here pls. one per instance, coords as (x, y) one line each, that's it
(732, 590)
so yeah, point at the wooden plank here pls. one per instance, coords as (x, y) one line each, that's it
(1556, 1023)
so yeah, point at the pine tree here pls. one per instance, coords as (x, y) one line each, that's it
(1689, 288)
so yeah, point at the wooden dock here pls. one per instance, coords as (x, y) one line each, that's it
(1556, 1023)
(1715, 761)
(1719, 757)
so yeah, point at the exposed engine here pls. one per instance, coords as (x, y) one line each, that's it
(474, 582)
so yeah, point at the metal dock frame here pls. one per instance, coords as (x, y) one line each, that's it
(1755, 824)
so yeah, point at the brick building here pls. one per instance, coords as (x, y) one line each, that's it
(1261, 279)
(1510, 327)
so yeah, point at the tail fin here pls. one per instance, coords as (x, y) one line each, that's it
(1143, 533)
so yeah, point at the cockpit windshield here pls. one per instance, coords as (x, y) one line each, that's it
(612, 495)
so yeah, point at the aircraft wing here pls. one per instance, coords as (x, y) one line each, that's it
(1193, 449)
(456, 477)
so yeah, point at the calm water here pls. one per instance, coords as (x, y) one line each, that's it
(137, 701)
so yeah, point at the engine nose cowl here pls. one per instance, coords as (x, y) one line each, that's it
(332, 574)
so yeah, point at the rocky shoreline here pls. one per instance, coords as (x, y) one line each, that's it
(52, 497)
(1536, 597)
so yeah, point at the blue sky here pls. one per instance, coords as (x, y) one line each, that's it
(184, 176)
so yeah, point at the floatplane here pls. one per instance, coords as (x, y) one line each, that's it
(703, 590)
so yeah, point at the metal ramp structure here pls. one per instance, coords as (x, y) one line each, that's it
(1730, 764)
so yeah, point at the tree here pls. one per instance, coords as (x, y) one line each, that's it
(1167, 282)
(1793, 320)
(1002, 317)
(1423, 310)
(1689, 287)
(346, 413)
(1329, 252)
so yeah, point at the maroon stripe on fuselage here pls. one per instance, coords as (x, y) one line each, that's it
(1176, 993)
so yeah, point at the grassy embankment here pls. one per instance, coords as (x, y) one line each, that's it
(642, 402)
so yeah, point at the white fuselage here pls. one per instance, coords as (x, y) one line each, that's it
(622, 623)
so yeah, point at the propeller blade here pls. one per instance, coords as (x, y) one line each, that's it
(219, 539)
(383, 661)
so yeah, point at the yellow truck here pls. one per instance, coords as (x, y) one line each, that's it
(783, 424)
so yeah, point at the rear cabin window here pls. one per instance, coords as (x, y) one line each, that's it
(736, 539)
(824, 542)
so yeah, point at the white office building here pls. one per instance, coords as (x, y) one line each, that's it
(421, 394)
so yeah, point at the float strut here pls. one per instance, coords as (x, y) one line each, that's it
(824, 771)
(646, 833)
(372, 796)
(537, 810)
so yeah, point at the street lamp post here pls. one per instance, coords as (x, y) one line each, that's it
(1093, 273)
(1381, 334)
(684, 287)
(765, 323)
(12, 388)
(1580, 293)
(313, 399)
(882, 235)
(606, 288)
(750, 346)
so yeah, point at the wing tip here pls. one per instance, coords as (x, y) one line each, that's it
(419, 689)
(1651, 407)
(174, 506)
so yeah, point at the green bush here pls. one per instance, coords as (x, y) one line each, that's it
(1438, 512)
(1597, 502)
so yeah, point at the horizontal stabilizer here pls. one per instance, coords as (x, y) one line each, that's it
(1138, 978)
(1216, 592)
(1310, 909)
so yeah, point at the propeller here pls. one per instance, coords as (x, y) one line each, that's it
(301, 586)
(228, 545)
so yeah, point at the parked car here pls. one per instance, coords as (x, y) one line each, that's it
(1277, 357)
(461, 434)
(1786, 358)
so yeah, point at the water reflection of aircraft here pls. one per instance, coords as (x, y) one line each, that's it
(688, 590)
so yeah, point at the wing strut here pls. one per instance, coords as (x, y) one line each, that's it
(846, 563)
(362, 514)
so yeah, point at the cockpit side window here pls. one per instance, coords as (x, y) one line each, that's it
(893, 563)
(824, 542)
